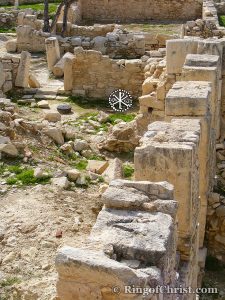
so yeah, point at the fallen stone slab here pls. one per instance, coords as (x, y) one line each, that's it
(9, 150)
(97, 166)
(33, 82)
(52, 116)
(55, 134)
(43, 104)
(61, 182)
(73, 174)
(114, 170)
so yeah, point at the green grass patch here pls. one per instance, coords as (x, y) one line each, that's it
(128, 171)
(7, 30)
(37, 6)
(85, 102)
(81, 165)
(121, 116)
(222, 20)
(96, 157)
(9, 281)
(25, 177)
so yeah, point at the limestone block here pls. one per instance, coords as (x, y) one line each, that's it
(166, 152)
(52, 116)
(11, 45)
(55, 134)
(68, 73)
(33, 82)
(2, 75)
(73, 174)
(61, 182)
(7, 86)
(189, 98)
(151, 101)
(97, 274)
(176, 52)
(58, 69)
(8, 149)
(22, 77)
(52, 51)
(150, 238)
(149, 85)
(97, 166)
(206, 68)
(114, 170)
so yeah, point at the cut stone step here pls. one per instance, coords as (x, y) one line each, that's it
(45, 97)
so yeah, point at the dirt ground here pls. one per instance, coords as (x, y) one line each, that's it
(30, 221)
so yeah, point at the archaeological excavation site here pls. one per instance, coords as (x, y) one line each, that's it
(112, 150)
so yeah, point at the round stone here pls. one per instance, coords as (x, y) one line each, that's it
(64, 109)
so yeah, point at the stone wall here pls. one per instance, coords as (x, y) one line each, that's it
(108, 39)
(201, 61)
(91, 74)
(8, 19)
(142, 10)
(132, 243)
(14, 71)
(8, 72)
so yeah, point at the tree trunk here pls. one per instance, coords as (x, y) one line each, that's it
(65, 15)
(55, 19)
(46, 27)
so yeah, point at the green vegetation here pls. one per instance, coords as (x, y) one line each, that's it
(96, 157)
(81, 165)
(128, 171)
(222, 20)
(25, 176)
(121, 116)
(101, 179)
(37, 6)
(7, 30)
(155, 28)
(84, 102)
(9, 281)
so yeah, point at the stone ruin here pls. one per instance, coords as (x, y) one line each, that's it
(156, 230)
(182, 99)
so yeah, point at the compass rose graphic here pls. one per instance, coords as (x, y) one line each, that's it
(120, 100)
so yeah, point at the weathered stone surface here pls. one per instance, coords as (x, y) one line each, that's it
(97, 166)
(11, 45)
(113, 171)
(52, 116)
(55, 134)
(73, 174)
(22, 78)
(187, 98)
(33, 82)
(80, 145)
(43, 104)
(8, 149)
(58, 69)
(123, 137)
(52, 51)
(61, 182)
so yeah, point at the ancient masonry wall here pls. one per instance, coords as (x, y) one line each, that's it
(132, 243)
(108, 39)
(89, 73)
(14, 72)
(180, 149)
(142, 10)
(191, 60)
